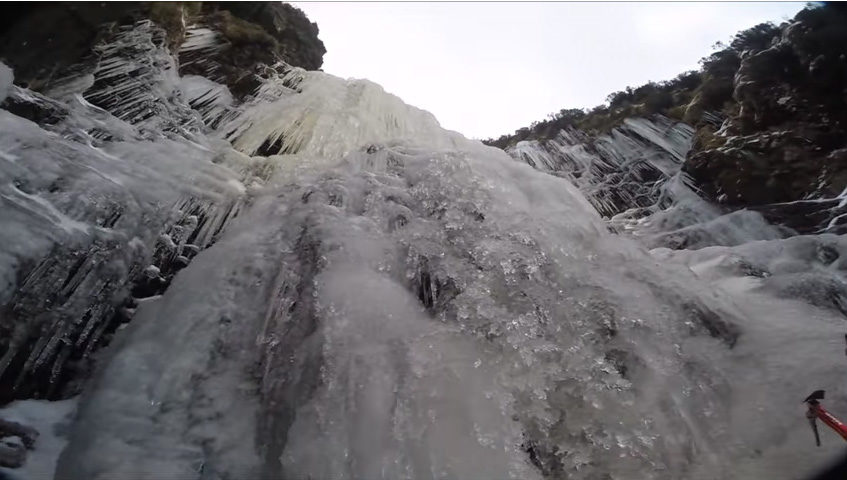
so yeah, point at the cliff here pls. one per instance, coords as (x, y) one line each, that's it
(768, 119)
(44, 43)
(105, 217)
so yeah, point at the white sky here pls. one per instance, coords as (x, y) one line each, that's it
(485, 69)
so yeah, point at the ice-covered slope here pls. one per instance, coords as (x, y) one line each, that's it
(632, 177)
(91, 198)
(391, 300)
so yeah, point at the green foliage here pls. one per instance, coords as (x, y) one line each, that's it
(240, 32)
(759, 37)
(721, 64)
(658, 101)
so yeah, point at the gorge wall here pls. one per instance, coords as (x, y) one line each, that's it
(767, 124)
(217, 264)
(94, 76)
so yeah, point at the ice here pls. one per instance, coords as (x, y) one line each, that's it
(52, 421)
(385, 308)
(793, 345)
(307, 120)
(327, 284)
(618, 171)
(6, 77)
(632, 176)
(212, 100)
(79, 185)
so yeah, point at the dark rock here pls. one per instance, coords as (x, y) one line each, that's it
(34, 107)
(784, 145)
(12, 455)
(704, 318)
(41, 40)
(44, 42)
(254, 37)
(28, 435)
(297, 38)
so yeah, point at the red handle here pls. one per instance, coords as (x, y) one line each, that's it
(832, 422)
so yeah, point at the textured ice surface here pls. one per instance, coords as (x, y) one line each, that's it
(632, 176)
(94, 193)
(398, 304)
(370, 296)
(622, 170)
(81, 218)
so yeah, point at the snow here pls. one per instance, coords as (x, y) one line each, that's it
(52, 421)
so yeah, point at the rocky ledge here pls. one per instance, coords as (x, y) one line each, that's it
(769, 113)
(783, 148)
(45, 43)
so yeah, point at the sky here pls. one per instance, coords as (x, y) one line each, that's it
(486, 69)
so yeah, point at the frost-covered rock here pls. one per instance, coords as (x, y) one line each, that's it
(86, 193)
(633, 177)
(47, 44)
(778, 152)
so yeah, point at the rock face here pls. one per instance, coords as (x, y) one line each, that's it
(632, 177)
(45, 43)
(296, 37)
(101, 219)
(783, 150)
(769, 115)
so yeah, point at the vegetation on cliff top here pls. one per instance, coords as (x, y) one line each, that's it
(684, 98)
(769, 111)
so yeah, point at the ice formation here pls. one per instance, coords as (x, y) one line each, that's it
(357, 293)
(632, 176)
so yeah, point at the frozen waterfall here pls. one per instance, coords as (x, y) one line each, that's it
(355, 292)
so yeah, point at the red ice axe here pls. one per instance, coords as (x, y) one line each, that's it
(816, 411)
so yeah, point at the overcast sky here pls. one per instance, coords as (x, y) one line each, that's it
(485, 69)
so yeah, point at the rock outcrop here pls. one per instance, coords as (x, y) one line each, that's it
(783, 150)
(95, 227)
(47, 42)
(769, 113)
